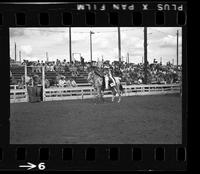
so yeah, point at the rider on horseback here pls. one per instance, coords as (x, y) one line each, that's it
(109, 78)
(96, 80)
(99, 72)
(107, 75)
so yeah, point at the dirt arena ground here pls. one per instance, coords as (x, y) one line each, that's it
(136, 120)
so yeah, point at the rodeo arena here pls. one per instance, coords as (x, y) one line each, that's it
(95, 102)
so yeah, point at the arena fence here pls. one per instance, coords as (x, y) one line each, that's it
(69, 93)
(84, 91)
(18, 95)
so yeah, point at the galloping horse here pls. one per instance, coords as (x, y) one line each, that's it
(97, 83)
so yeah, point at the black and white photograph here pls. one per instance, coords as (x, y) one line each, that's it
(95, 85)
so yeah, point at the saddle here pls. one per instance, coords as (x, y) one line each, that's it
(110, 83)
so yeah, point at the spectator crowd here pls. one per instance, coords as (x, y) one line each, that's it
(131, 73)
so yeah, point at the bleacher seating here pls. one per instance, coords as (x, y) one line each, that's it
(18, 71)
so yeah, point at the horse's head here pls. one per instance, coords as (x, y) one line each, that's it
(90, 76)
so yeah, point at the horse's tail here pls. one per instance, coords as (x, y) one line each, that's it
(121, 88)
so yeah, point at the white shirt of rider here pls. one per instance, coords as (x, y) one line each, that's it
(117, 79)
(110, 75)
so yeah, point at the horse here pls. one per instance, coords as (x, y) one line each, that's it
(97, 83)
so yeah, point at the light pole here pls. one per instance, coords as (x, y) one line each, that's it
(91, 32)
(70, 45)
(127, 57)
(20, 56)
(47, 57)
(177, 35)
(119, 45)
(15, 52)
(145, 55)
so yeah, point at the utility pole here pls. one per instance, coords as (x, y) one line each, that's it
(102, 58)
(127, 57)
(15, 52)
(91, 45)
(145, 55)
(20, 56)
(70, 46)
(47, 57)
(119, 44)
(177, 34)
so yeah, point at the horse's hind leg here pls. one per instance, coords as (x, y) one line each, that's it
(119, 98)
(99, 96)
(119, 93)
(113, 98)
(95, 99)
(113, 95)
(102, 99)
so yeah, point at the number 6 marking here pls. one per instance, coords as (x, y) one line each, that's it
(41, 166)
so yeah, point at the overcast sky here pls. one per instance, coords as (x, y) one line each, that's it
(35, 42)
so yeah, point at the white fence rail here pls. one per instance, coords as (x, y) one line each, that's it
(79, 85)
(51, 94)
(16, 87)
(18, 95)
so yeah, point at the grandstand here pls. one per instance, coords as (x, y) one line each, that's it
(18, 71)
(130, 73)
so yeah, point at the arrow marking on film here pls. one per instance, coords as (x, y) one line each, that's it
(29, 166)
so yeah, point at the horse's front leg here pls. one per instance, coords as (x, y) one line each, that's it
(95, 96)
(119, 97)
(119, 93)
(101, 97)
(113, 95)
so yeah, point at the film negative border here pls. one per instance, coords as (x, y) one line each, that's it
(92, 157)
(100, 14)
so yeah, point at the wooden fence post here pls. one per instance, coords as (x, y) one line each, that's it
(43, 83)
(25, 77)
(14, 97)
(125, 91)
(82, 94)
